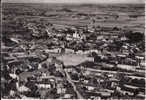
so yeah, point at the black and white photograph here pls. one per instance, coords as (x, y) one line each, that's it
(73, 49)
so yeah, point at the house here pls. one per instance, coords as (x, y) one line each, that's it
(76, 35)
(129, 89)
(85, 81)
(69, 51)
(135, 77)
(47, 82)
(121, 58)
(83, 37)
(140, 60)
(91, 29)
(23, 88)
(69, 69)
(61, 90)
(108, 90)
(15, 64)
(67, 96)
(114, 82)
(130, 61)
(123, 38)
(142, 64)
(107, 66)
(141, 95)
(69, 37)
(59, 66)
(90, 88)
(127, 67)
(55, 50)
(48, 31)
(118, 89)
(121, 55)
(81, 52)
(46, 86)
(105, 94)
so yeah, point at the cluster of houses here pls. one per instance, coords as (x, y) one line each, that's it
(31, 79)
(32, 70)
(107, 85)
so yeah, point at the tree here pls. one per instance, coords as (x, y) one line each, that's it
(116, 17)
(75, 76)
(135, 37)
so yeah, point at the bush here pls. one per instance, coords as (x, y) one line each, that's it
(135, 37)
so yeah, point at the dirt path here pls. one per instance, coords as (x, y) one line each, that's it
(74, 86)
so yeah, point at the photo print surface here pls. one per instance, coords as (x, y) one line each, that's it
(73, 49)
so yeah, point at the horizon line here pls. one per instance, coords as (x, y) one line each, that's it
(77, 1)
(73, 3)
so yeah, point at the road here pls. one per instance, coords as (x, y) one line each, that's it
(74, 86)
(70, 81)
(113, 72)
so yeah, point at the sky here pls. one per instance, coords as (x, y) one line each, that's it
(74, 1)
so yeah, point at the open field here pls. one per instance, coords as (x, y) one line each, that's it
(80, 15)
(74, 59)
